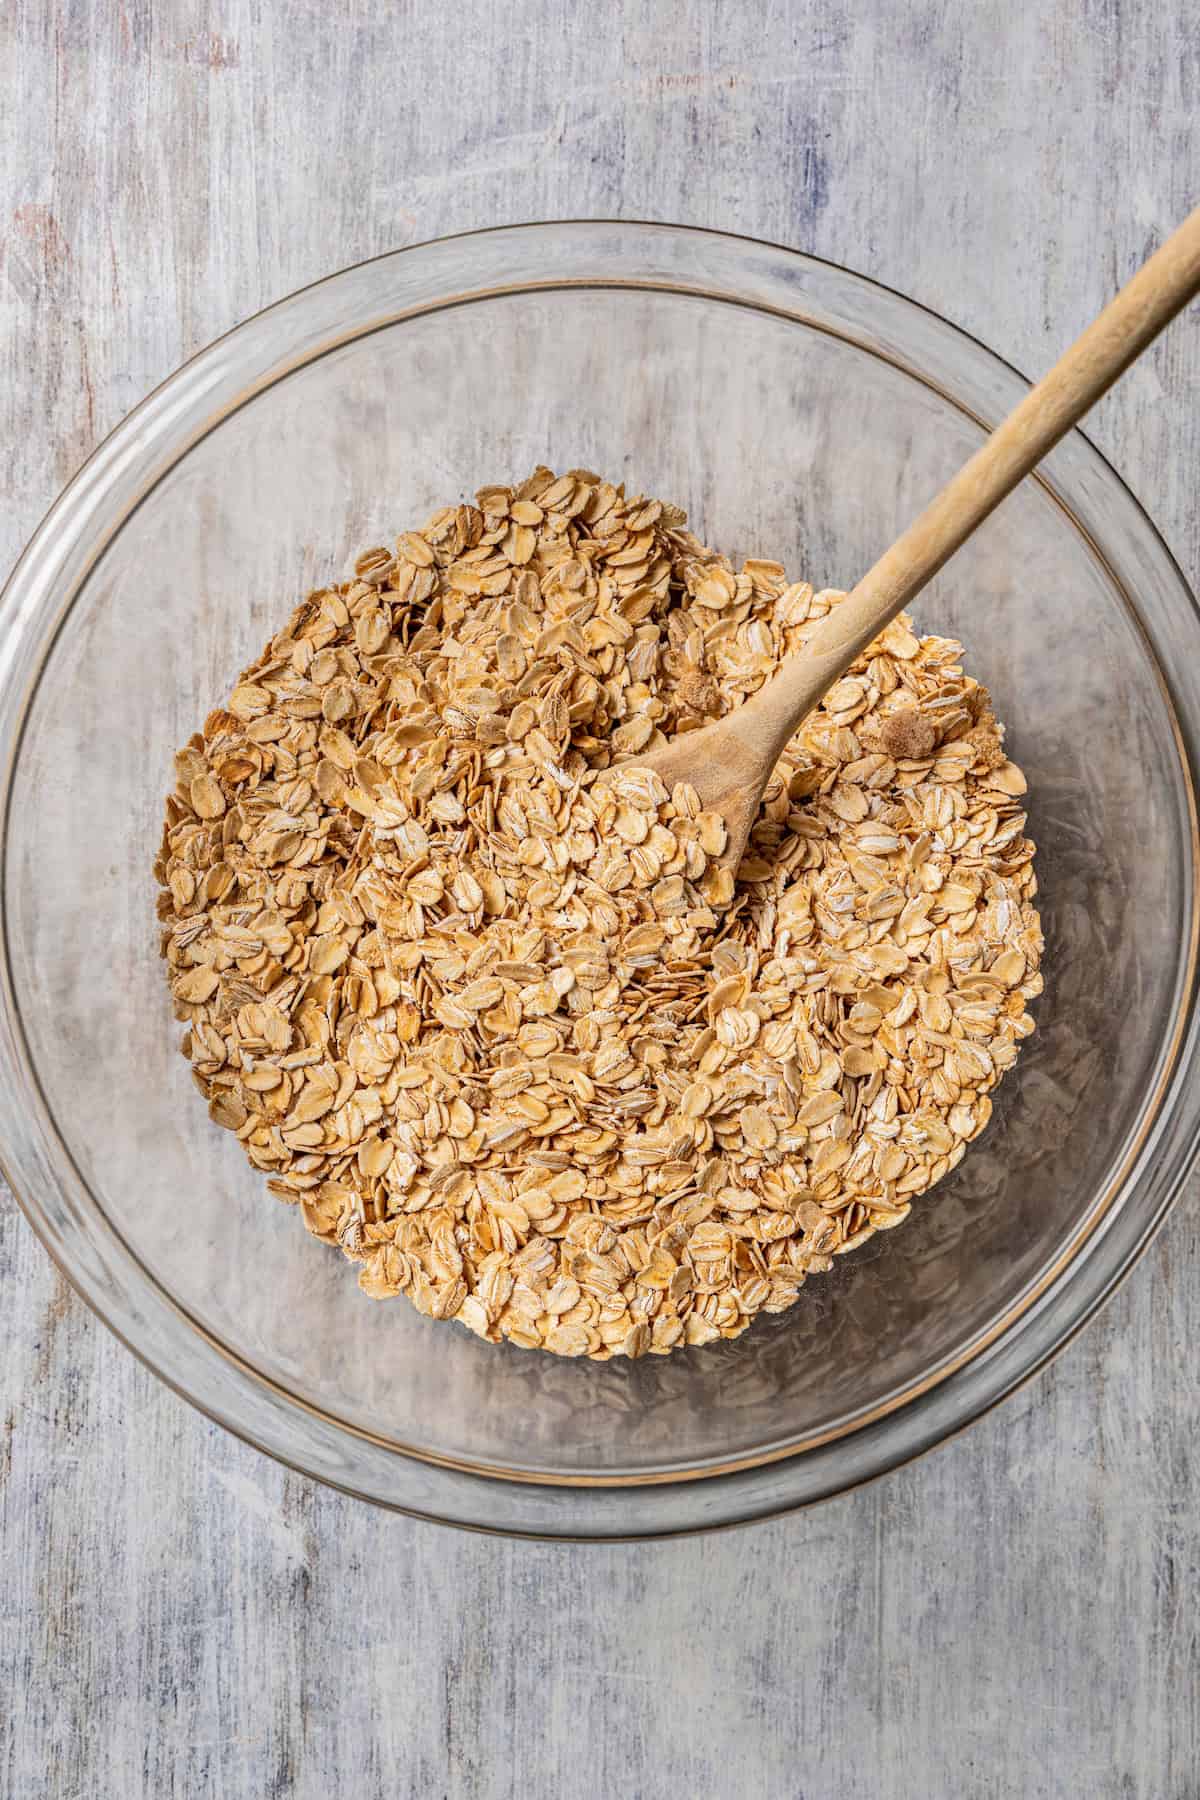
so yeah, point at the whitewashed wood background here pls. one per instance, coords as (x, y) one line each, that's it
(1017, 1614)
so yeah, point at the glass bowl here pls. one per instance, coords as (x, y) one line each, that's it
(797, 411)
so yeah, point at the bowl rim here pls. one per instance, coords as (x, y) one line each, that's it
(1155, 1108)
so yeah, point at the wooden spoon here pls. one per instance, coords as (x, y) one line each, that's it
(730, 761)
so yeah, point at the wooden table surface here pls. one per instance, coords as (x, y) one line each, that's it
(1016, 1614)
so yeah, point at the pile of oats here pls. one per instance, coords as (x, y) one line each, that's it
(493, 1012)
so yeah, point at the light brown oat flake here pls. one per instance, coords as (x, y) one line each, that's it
(487, 1005)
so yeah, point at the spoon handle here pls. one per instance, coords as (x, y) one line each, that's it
(1161, 287)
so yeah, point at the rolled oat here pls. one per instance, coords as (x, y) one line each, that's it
(489, 1008)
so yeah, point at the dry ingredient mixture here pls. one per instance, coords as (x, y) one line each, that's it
(501, 1022)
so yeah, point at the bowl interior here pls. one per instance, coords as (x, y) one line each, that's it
(780, 439)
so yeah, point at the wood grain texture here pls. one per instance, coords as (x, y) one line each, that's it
(1017, 1614)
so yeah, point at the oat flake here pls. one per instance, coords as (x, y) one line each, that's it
(494, 1013)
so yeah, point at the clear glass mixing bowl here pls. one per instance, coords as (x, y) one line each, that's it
(797, 411)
